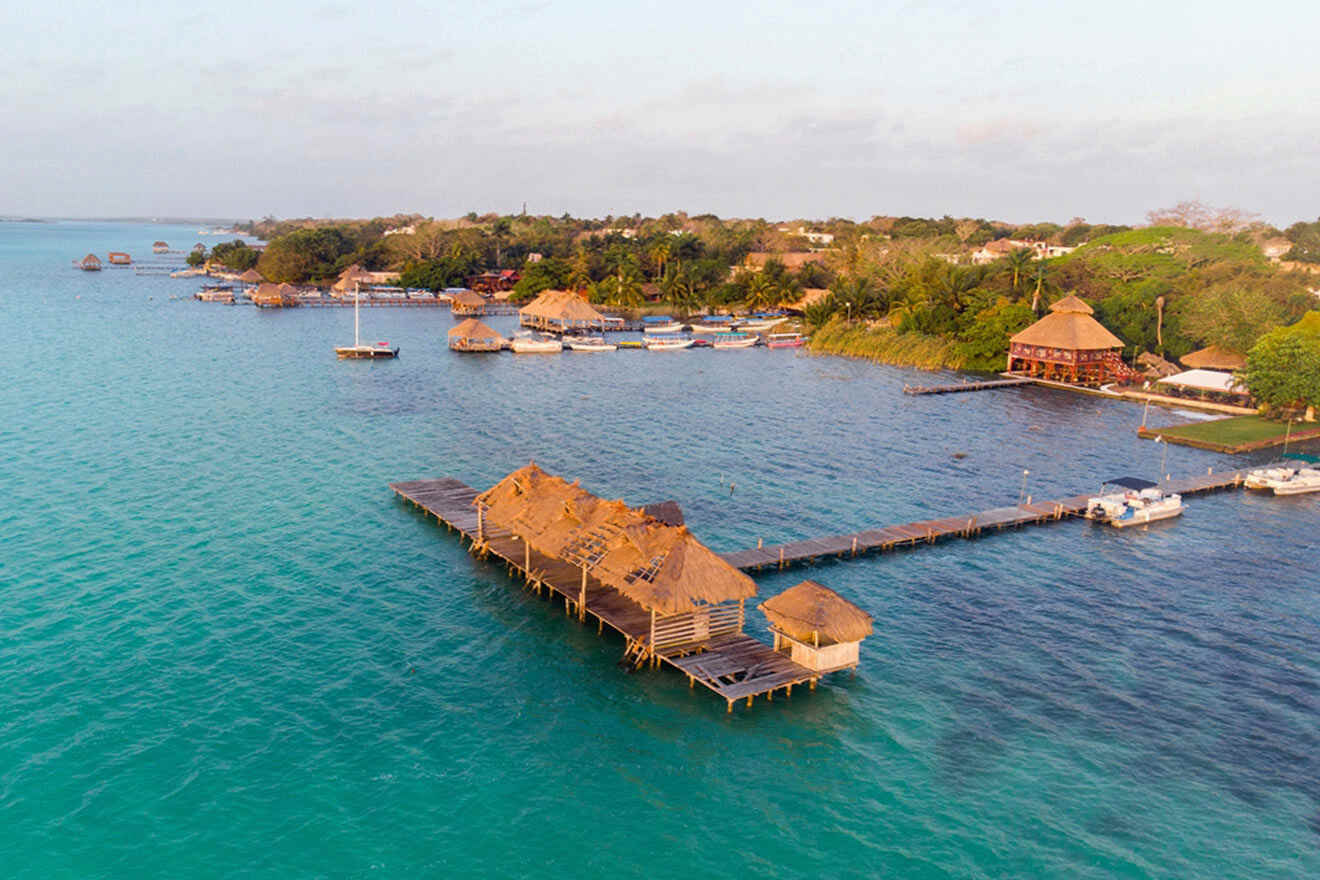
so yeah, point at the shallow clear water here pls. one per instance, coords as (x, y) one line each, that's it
(225, 647)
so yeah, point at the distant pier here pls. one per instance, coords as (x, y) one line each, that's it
(970, 525)
(959, 387)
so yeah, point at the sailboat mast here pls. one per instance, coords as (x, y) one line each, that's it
(356, 341)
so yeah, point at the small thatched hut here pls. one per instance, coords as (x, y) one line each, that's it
(275, 296)
(1212, 357)
(90, 263)
(561, 311)
(159, 247)
(467, 302)
(251, 276)
(472, 335)
(119, 258)
(1068, 345)
(821, 629)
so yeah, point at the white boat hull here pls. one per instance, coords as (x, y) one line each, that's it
(1148, 515)
(536, 346)
(667, 344)
(734, 343)
(591, 346)
(671, 327)
(1297, 487)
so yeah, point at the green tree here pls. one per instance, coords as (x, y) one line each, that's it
(195, 258)
(1231, 316)
(1018, 262)
(1283, 368)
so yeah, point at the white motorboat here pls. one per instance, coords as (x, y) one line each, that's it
(785, 340)
(734, 340)
(1264, 478)
(1290, 482)
(668, 343)
(760, 325)
(525, 342)
(588, 343)
(1141, 502)
(653, 324)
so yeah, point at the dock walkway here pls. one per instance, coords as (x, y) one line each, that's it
(733, 665)
(959, 387)
(933, 530)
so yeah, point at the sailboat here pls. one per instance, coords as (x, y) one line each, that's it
(357, 350)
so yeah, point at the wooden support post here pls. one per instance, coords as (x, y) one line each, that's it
(854, 546)
(582, 596)
(691, 682)
(480, 525)
(749, 700)
(527, 555)
(813, 684)
(781, 557)
(652, 642)
(730, 709)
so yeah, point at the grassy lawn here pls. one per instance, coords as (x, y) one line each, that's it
(1234, 431)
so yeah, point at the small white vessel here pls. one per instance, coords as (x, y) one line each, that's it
(588, 343)
(1264, 478)
(526, 342)
(1286, 481)
(1140, 502)
(660, 324)
(668, 343)
(760, 325)
(734, 340)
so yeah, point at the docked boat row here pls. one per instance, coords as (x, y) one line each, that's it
(473, 336)
(714, 325)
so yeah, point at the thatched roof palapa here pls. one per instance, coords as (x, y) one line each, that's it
(562, 306)
(473, 329)
(810, 612)
(251, 276)
(1213, 357)
(1069, 326)
(468, 298)
(660, 567)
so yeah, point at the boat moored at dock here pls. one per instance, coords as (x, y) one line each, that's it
(666, 343)
(1285, 480)
(588, 344)
(1141, 502)
(785, 340)
(659, 324)
(724, 341)
(526, 342)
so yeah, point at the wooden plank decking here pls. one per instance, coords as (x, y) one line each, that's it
(959, 387)
(933, 530)
(733, 665)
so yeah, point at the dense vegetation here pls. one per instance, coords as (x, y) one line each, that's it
(902, 289)
(1283, 368)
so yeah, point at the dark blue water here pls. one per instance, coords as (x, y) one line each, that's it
(226, 648)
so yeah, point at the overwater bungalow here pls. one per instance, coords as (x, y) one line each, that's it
(467, 302)
(90, 263)
(1213, 357)
(817, 627)
(160, 247)
(119, 258)
(251, 276)
(472, 335)
(562, 311)
(1068, 345)
(275, 296)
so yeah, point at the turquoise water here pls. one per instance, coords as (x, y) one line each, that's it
(225, 648)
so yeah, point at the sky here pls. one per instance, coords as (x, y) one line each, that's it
(1021, 110)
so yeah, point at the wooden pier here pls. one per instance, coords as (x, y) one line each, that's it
(710, 649)
(959, 387)
(967, 526)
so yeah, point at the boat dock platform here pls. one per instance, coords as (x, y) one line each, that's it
(959, 387)
(730, 663)
(967, 526)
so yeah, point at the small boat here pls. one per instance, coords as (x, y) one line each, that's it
(714, 324)
(358, 351)
(525, 342)
(1140, 503)
(1285, 481)
(760, 325)
(668, 343)
(785, 340)
(629, 343)
(588, 343)
(734, 340)
(660, 324)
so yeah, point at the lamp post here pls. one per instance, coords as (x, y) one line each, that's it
(1287, 435)
(1164, 455)
(1023, 493)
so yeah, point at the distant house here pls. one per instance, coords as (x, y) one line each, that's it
(1002, 247)
(401, 230)
(490, 282)
(792, 260)
(1275, 248)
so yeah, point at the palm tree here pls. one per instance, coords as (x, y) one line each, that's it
(499, 230)
(1018, 261)
(1041, 272)
(1159, 322)
(659, 253)
(627, 285)
(762, 290)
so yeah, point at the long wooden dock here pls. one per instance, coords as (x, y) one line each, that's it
(967, 526)
(959, 387)
(723, 658)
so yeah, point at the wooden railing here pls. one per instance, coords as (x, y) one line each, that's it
(694, 627)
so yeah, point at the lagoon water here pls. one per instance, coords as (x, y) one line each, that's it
(226, 648)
